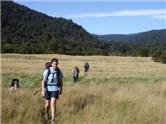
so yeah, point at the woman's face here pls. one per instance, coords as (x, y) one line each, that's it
(15, 82)
(54, 64)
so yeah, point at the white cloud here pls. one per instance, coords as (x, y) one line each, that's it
(160, 17)
(156, 13)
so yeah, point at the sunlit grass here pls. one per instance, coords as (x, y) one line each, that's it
(118, 90)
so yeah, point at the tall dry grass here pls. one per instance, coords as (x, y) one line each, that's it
(118, 90)
(91, 104)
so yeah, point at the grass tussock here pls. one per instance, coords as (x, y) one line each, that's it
(118, 90)
(20, 107)
(84, 104)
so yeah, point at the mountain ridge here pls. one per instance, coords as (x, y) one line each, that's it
(145, 37)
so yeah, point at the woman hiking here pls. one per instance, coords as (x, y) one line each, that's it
(86, 68)
(14, 84)
(51, 88)
(75, 74)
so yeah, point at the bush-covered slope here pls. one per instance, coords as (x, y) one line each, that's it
(28, 31)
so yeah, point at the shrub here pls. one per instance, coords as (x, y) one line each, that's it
(163, 59)
(159, 57)
(144, 52)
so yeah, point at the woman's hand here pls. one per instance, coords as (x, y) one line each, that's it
(43, 94)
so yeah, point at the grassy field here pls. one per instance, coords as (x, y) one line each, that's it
(118, 90)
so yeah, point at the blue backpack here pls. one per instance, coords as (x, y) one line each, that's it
(58, 71)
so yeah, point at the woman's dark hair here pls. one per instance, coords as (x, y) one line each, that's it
(13, 82)
(47, 65)
(54, 60)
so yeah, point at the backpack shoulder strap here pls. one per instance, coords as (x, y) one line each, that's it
(45, 83)
(48, 73)
(58, 71)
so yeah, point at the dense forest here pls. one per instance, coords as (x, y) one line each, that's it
(155, 50)
(150, 43)
(27, 31)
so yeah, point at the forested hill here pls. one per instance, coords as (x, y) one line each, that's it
(149, 37)
(27, 31)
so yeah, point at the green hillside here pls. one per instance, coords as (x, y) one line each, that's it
(149, 37)
(28, 31)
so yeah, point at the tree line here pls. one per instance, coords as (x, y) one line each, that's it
(30, 32)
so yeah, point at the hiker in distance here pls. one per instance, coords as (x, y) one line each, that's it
(52, 84)
(14, 84)
(86, 68)
(75, 74)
